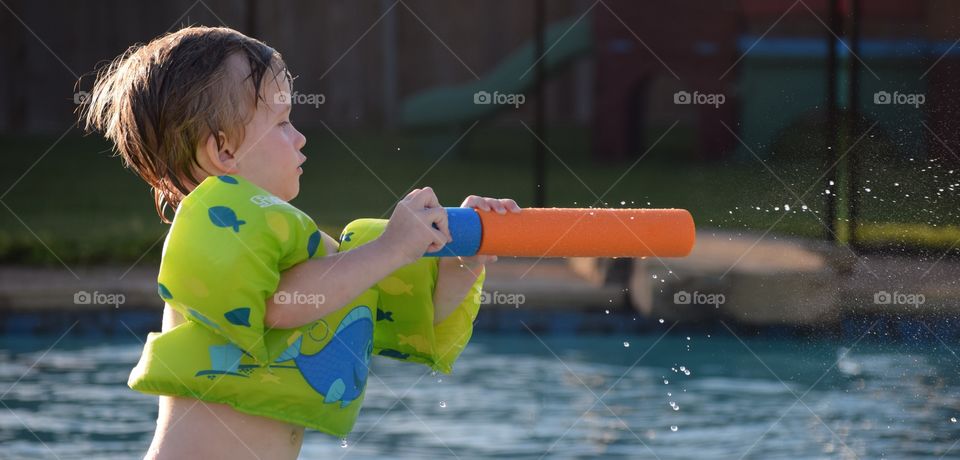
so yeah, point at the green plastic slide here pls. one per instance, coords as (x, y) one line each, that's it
(504, 86)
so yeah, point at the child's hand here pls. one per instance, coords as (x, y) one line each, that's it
(411, 230)
(500, 206)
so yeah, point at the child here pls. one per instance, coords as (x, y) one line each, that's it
(204, 102)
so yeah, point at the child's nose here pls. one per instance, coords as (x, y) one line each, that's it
(301, 140)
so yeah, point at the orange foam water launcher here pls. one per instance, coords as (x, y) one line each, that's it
(570, 232)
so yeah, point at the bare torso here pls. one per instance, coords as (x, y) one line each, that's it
(190, 428)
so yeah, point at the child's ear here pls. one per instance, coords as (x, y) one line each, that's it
(222, 157)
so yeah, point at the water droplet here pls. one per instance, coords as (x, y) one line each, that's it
(786, 207)
(343, 443)
(666, 382)
(607, 311)
(673, 428)
(623, 203)
(674, 406)
(953, 419)
(443, 404)
(626, 344)
(654, 276)
(661, 320)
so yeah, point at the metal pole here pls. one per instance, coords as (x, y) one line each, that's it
(540, 154)
(832, 115)
(388, 43)
(251, 19)
(853, 164)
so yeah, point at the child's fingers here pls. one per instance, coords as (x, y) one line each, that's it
(439, 241)
(438, 217)
(496, 205)
(431, 198)
(423, 198)
(510, 204)
(474, 201)
(501, 206)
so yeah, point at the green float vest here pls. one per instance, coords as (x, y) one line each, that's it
(229, 242)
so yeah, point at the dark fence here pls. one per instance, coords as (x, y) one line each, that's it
(363, 56)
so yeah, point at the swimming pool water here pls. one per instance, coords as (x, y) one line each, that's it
(530, 396)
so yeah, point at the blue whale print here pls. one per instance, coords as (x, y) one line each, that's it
(384, 315)
(239, 316)
(313, 243)
(164, 292)
(222, 216)
(339, 370)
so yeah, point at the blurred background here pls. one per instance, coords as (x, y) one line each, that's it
(815, 142)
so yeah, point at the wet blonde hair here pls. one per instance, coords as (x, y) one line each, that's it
(158, 102)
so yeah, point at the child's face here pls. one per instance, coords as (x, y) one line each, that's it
(269, 155)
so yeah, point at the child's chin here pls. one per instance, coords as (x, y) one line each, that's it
(295, 191)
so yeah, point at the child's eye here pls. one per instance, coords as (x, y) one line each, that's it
(284, 123)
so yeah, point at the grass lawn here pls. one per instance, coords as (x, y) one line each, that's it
(80, 205)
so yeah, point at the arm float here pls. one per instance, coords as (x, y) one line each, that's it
(570, 232)
(223, 258)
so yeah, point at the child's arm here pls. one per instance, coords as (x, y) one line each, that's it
(455, 276)
(339, 278)
(336, 279)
